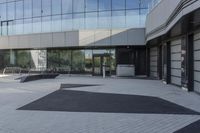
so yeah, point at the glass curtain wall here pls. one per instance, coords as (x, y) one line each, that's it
(34, 60)
(5, 59)
(60, 60)
(36, 16)
(77, 61)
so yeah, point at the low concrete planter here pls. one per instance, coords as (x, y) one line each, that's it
(38, 77)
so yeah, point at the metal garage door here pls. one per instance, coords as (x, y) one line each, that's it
(197, 62)
(154, 62)
(176, 62)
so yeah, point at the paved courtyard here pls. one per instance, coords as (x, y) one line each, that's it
(14, 95)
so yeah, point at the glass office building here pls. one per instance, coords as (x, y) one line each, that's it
(36, 16)
(31, 17)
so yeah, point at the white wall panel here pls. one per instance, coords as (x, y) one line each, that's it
(176, 62)
(24, 41)
(196, 36)
(197, 65)
(13, 41)
(46, 40)
(86, 38)
(4, 43)
(197, 62)
(135, 37)
(196, 44)
(197, 55)
(35, 41)
(176, 72)
(154, 62)
(176, 80)
(197, 86)
(176, 48)
(176, 56)
(59, 39)
(102, 37)
(72, 38)
(119, 37)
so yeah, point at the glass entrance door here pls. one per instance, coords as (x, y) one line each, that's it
(97, 67)
(99, 61)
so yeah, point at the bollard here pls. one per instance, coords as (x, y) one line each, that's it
(104, 71)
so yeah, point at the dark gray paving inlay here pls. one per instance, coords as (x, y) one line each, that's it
(192, 128)
(64, 86)
(81, 101)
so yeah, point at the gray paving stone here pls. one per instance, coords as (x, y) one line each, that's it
(14, 95)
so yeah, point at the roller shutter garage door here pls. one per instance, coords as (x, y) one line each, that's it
(176, 62)
(154, 62)
(197, 62)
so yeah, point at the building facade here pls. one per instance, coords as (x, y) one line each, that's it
(80, 35)
(173, 43)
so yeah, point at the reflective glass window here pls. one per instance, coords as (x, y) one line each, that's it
(11, 10)
(56, 7)
(118, 4)
(46, 24)
(66, 6)
(118, 19)
(10, 0)
(78, 6)
(53, 58)
(42, 60)
(3, 11)
(132, 18)
(23, 58)
(78, 21)
(27, 26)
(19, 26)
(37, 7)
(65, 60)
(91, 5)
(38, 59)
(28, 8)
(113, 61)
(143, 13)
(78, 60)
(11, 28)
(2, 1)
(91, 20)
(104, 19)
(101, 51)
(88, 61)
(56, 23)
(8, 57)
(132, 4)
(104, 5)
(46, 7)
(19, 9)
(67, 22)
(4, 28)
(145, 3)
(37, 25)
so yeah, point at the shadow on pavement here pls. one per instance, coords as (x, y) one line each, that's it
(192, 128)
(82, 101)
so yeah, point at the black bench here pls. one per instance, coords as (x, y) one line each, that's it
(38, 77)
